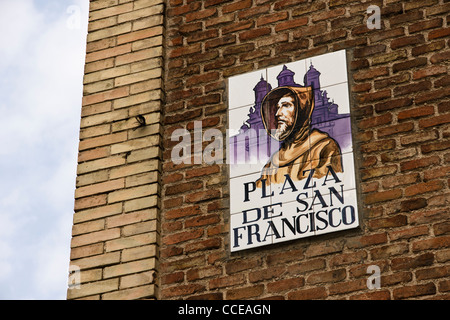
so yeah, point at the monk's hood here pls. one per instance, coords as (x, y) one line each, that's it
(304, 102)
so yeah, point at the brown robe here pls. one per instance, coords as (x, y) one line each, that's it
(304, 149)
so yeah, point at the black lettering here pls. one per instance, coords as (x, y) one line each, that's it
(303, 202)
(340, 197)
(323, 220)
(291, 184)
(258, 215)
(312, 222)
(237, 236)
(318, 195)
(264, 189)
(274, 229)
(247, 189)
(255, 233)
(267, 211)
(291, 227)
(307, 186)
(297, 223)
(352, 215)
(335, 177)
(330, 217)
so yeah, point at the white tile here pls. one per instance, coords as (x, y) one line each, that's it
(240, 88)
(246, 233)
(338, 94)
(343, 181)
(247, 150)
(339, 216)
(245, 195)
(292, 221)
(297, 67)
(332, 67)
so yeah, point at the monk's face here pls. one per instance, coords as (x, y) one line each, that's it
(285, 116)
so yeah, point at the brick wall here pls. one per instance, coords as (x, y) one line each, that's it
(114, 249)
(401, 112)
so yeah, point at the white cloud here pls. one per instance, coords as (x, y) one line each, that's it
(40, 88)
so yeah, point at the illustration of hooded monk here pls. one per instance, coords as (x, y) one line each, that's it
(286, 113)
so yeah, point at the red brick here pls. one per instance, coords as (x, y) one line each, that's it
(424, 25)
(239, 5)
(428, 47)
(419, 163)
(375, 295)
(406, 17)
(416, 112)
(208, 244)
(369, 50)
(241, 265)
(406, 263)
(412, 88)
(437, 146)
(395, 129)
(202, 35)
(348, 286)
(182, 290)
(414, 291)
(376, 146)
(371, 73)
(202, 196)
(183, 212)
(407, 233)
(375, 172)
(182, 237)
(330, 37)
(271, 18)
(245, 293)
(251, 12)
(443, 32)
(285, 284)
(433, 273)
(413, 204)
(409, 64)
(266, 274)
(254, 33)
(181, 10)
(432, 95)
(393, 104)
(294, 23)
(391, 222)
(431, 244)
(186, 50)
(327, 15)
(373, 96)
(308, 294)
(183, 187)
(430, 71)
(434, 121)
(439, 57)
(202, 14)
(227, 281)
(368, 240)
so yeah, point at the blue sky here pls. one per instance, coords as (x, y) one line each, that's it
(42, 51)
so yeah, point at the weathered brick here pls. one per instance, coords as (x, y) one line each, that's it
(245, 293)
(414, 291)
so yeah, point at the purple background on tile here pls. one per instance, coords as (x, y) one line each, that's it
(325, 117)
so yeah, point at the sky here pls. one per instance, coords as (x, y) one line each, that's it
(42, 52)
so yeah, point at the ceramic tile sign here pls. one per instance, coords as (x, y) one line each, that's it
(290, 152)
